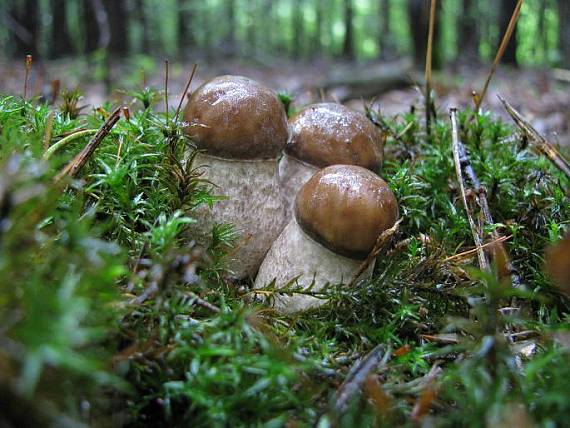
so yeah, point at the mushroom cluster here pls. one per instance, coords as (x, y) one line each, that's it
(240, 127)
(339, 214)
(322, 135)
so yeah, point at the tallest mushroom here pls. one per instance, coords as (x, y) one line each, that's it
(240, 127)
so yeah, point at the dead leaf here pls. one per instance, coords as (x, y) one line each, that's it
(558, 264)
(424, 403)
(377, 396)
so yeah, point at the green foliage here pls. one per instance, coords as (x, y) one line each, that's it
(57, 299)
(107, 304)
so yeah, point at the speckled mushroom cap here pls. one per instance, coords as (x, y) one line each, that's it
(329, 134)
(234, 117)
(345, 208)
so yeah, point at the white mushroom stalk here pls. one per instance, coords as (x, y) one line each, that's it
(241, 127)
(339, 214)
(251, 204)
(309, 261)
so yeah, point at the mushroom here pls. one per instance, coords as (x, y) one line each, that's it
(339, 214)
(240, 128)
(327, 134)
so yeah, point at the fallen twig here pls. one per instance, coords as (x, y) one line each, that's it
(467, 253)
(422, 238)
(203, 303)
(458, 158)
(358, 374)
(538, 141)
(417, 385)
(382, 240)
(496, 246)
(445, 339)
(73, 167)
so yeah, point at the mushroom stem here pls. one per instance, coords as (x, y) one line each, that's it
(252, 205)
(309, 261)
(292, 175)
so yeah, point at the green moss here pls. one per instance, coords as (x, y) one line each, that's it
(99, 287)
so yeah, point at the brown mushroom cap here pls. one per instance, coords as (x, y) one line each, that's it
(235, 117)
(345, 208)
(330, 134)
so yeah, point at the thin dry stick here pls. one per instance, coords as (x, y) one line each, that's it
(73, 167)
(429, 65)
(483, 263)
(166, 88)
(502, 47)
(28, 66)
(380, 243)
(541, 143)
(399, 246)
(358, 374)
(204, 303)
(498, 249)
(194, 67)
(468, 253)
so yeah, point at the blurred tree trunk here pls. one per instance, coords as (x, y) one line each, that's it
(564, 30)
(543, 45)
(231, 36)
(25, 18)
(183, 23)
(385, 37)
(118, 26)
(17, 34)
(317, 43)
(298, 29)
(91, 27)
(418, 15)
(251, 27)
(348, 44)
(60, 41)
(143, 22)
(185, 26)
(469, 35)
(507, 8)
(208, 38)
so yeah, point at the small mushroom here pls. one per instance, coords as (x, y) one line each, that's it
(240, 127)
(339, 214)
(327, 134)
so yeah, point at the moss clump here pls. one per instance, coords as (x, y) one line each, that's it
(108, 314)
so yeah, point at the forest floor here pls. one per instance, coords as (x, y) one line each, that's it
(111, 315)
(537, 93)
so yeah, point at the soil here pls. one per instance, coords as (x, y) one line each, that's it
(542, 97)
